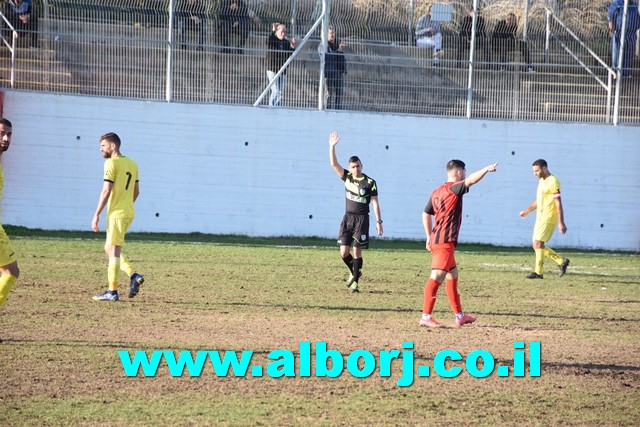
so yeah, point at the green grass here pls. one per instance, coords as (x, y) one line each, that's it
(59, 362)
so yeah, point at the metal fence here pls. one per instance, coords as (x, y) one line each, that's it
(135, 49)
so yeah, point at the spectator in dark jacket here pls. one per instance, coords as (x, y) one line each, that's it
(279, 50)
(335, 67)
(191, 14)
(23, 17)
(504, 40)
(234, 19)
(464, 37)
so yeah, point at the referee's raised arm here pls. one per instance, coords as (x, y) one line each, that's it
(334, 137)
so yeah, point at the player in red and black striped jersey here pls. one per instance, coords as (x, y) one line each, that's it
(360, 191)
(445, 204)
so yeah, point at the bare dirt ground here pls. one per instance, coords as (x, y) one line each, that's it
(59, 359)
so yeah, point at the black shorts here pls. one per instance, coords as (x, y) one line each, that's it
(354, 230)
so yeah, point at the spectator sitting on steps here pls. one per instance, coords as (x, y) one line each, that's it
(504, 39)
(428, 35)
(464, 37)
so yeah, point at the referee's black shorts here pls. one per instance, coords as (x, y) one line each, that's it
(354, 231)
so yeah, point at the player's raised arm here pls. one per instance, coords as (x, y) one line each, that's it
(476, 176)
(334, 138)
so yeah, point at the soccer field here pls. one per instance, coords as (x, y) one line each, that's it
(60, 360)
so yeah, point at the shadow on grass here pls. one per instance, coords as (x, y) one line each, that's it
(412, 310)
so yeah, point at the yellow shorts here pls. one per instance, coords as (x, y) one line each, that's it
(7, 254)
(543, 231)
(117, 229)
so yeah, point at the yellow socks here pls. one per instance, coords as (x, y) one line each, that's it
(112, 273)
(6, 285)
(539, 260)
(125, 266)
(550, 253)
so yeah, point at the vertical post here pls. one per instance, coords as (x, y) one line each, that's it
(169, 85)
(14, 42)
(526, 20)
(547, 38)
(410, 24)
(618, 66)
(294, 13)
(47, 24)
(326, 7)
(472, 49)
(609, 91)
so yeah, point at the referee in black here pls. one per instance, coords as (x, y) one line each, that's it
(360, 191)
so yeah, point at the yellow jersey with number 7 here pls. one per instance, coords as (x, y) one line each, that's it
(122, 172)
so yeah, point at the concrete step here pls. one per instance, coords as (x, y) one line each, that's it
(35, 69)
(37, 75)
(595, 115)
(42, 86)
(28, 53)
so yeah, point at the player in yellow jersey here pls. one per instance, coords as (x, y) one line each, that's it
(549, 213)
(9, 270)
(120, 190)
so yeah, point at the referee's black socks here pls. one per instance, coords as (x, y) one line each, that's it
(357, 267)
(349, 261)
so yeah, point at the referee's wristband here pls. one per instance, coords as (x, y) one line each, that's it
(379, 221)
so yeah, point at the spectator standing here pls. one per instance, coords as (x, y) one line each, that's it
(429, 35)
(234, 19)
(23, 17)
(360, 191)
(504, 39)
(464, 37)
(279, 50)
(445, 204)
(335, 67)
(614, 17)
(549, 213)
(120, 190)
(9, 270)
(191, 14)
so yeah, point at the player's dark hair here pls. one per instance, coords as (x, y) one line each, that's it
(111, 137)
(5, 122)
(455, 164)
(540, 163)
(354, 159)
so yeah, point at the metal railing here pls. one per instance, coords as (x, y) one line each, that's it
(611, 73)
(131, 52)
(11, 46)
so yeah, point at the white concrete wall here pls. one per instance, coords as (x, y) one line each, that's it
(261, 172)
